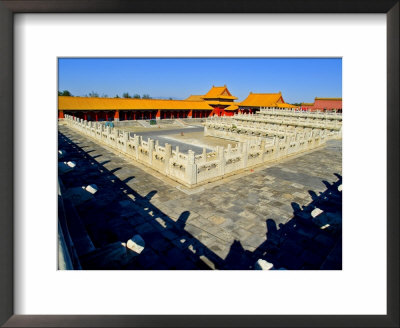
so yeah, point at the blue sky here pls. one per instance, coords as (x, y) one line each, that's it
(299, 79)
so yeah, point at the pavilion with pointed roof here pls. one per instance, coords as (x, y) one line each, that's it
(219, 98)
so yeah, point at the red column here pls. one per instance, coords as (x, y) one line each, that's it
(85, 116)
(97, 118)
(125, 116)
(106, 116)
(165, 115)
(150, 115)
(134, 116)
(116, 115)
(142, 115)
(158, 115)
(60, 114)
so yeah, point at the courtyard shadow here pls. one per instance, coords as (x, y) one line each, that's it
(117, 212)
(310, 240)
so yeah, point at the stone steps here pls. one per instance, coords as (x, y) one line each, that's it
(144, 123)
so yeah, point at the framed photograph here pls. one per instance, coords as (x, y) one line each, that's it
(233, 116)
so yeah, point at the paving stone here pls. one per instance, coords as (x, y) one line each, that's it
(143, 228)
(217, 220)
(254, 240)
(240, 233)
(168, 234)
(175, 258)
(148, 258)
(219, 248)
(193, 230)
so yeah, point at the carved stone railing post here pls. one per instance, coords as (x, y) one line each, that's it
(136, 143)
(244, 154)
(126, 140)
(262, 149)
(204, 155)
(151, 148)
(221, 160)
(168, 154)
(191, 169)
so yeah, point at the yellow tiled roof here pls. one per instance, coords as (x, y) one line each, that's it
(88, 103)
(232, 107)
(217, 102)
(284, 105)
(262, 100)
(220, 97)
(307, 104)
(219, 92)
(195, 98)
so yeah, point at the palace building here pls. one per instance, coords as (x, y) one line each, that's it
(218, 101)
(306, 106)
(328, 104)
(106, 109)
(255, 101)
(324, 104)
(219, 98)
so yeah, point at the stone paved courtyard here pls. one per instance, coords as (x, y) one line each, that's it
(229, 224)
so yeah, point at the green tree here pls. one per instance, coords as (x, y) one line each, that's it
(136, 96)
(116, 96)
(93, 94)
(126, 95)
(65, 93)
(146, 96)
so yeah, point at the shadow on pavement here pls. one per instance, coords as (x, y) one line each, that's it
(117, 212)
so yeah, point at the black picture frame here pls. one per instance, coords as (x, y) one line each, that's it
(7, 10)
